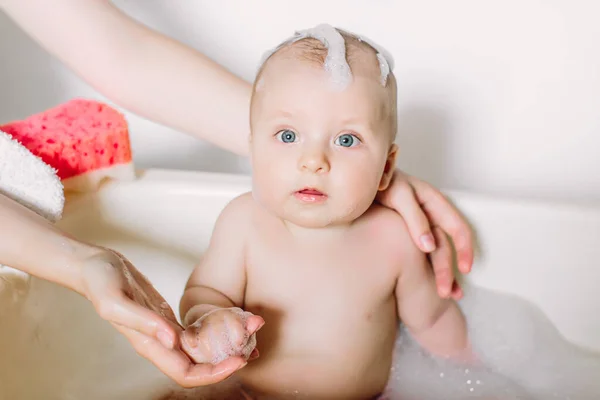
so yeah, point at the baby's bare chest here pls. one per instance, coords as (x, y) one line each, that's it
(324, 279)
(328, 308)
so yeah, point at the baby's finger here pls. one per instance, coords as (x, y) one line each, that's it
(254, 355)
(177, 366)
(441, 259)
(129, 314)
(235, 329)
(254, 323)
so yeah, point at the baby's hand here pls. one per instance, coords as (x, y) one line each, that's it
(222, 333)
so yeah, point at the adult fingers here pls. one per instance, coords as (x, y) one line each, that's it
(126, 313)
(176, 364)
(441, 259)
(402, 198)
(443, 214)
(457, 292)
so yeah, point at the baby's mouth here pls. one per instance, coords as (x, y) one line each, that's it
(310, 195)
(312, 192)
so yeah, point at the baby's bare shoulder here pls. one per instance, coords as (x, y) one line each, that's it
(240, 207)
(386, 222)
(391, 231)
(237, 214)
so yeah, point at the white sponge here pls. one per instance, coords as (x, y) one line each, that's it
(26, 179)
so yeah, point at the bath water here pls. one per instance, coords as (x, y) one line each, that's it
(523, 357)
(55, 347)
(523, 354)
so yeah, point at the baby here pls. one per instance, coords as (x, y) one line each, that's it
(308, 254)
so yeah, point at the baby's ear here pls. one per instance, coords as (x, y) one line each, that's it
(390, 167)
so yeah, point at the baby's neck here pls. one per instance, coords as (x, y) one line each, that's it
(317, 235)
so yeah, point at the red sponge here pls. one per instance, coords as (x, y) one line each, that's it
(84, 140)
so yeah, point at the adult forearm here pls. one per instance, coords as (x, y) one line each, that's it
(140, 69)
(30, 243)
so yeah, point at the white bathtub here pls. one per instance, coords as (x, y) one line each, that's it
(54, 346)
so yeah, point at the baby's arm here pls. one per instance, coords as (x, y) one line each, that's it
(210, 308)
(219, 279)
(436, 323)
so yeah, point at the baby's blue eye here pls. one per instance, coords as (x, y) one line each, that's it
(347, 140)
(286, 136)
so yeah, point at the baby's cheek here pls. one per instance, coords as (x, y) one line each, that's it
(358, 194)
(266, 190)
(272, 168)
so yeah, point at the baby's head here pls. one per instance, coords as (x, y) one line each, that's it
(323, 122)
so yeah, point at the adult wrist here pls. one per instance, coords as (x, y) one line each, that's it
(84, 256)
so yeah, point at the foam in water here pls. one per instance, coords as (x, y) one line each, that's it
(523, 355)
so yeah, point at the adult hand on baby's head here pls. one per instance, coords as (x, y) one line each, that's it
(125, 298)
(428, 214)
(222, 334)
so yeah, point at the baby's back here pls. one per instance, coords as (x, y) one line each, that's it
(328, 301)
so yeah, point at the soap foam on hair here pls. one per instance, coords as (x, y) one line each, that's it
(336, 63)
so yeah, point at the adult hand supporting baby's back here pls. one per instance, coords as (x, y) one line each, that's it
(429, 215)
(125, 298)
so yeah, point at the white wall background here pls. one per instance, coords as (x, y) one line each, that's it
(500, 97)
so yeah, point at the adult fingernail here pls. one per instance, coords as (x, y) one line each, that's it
(165, 339)
(464, 267)
(428, 242)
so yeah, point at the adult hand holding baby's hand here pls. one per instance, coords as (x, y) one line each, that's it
(222, 334)
(125, 298)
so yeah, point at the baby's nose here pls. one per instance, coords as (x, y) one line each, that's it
(314, 162)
